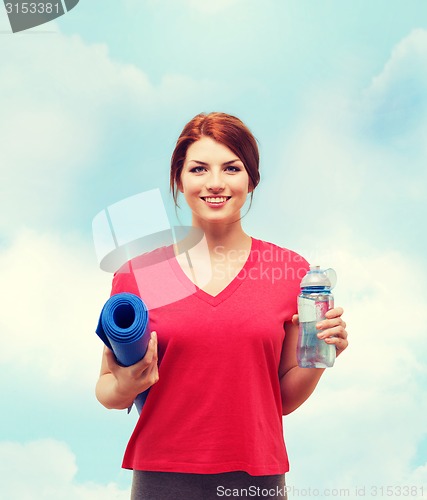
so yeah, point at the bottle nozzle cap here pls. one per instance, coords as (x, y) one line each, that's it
(319, 277)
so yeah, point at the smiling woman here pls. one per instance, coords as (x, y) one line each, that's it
(221, 363)
(214, 182)
(225, 130)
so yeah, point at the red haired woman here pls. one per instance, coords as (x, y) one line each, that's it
(222, 363)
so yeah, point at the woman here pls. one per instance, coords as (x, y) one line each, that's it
(221, 363)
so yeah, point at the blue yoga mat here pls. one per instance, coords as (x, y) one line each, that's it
(123, 327)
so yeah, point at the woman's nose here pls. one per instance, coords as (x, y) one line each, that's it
(215, 182)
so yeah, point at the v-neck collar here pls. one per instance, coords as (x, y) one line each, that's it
(226, 292)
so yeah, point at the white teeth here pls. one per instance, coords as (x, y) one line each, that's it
(215, 200)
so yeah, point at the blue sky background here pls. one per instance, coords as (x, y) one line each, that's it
(90, 108)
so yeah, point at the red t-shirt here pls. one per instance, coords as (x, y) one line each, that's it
(217, 405)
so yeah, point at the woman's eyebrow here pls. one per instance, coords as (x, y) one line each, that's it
(226, 163)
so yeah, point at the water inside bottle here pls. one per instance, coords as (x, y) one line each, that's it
(312, 351)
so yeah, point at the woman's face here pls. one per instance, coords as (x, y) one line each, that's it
(214, 182)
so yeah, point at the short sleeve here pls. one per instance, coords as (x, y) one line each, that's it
(124, 281)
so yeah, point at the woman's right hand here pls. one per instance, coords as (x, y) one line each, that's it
(119, 385)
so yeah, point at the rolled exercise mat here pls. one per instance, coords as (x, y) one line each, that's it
(123, 327)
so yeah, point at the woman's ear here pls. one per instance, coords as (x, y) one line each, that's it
(250, 186)
(179, 186)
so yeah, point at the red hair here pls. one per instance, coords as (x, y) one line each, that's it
(225, 129)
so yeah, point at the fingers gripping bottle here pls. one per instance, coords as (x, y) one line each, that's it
(313, 302)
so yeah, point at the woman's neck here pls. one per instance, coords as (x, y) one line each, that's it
(226, 236)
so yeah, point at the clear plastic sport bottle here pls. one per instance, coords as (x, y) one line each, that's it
(313, 302)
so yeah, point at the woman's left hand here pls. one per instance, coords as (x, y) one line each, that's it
(333, 329)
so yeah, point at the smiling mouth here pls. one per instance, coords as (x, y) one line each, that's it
(215, 199)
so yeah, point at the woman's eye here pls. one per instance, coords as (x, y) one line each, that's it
(197, 170)
(233, 169)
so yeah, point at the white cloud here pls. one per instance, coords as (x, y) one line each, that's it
(395, 103)
(356, 160)
(344, 182)
(53, 293)
(199, 6)
(364, 424)
(208, 7)
(62, 101)
(407, 61)
(46, 470)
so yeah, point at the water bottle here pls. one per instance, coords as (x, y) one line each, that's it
(313, 302)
